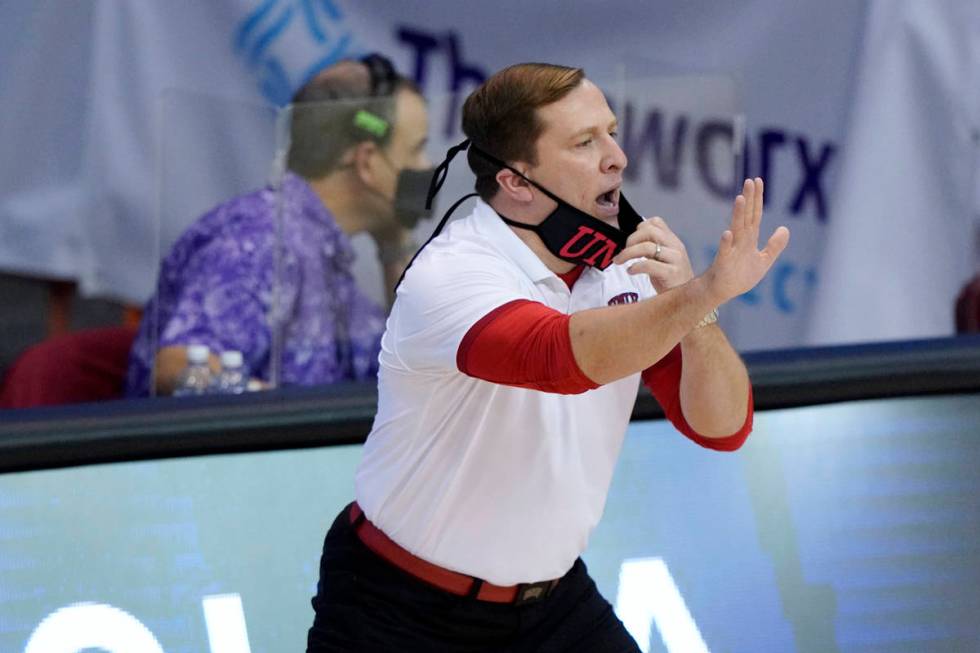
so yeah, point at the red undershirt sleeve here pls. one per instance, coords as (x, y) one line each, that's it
(664, 381)
(523, 344)
(528, 345)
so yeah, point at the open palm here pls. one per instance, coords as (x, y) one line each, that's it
(740, 264)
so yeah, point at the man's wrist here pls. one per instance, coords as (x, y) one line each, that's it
(708, 285)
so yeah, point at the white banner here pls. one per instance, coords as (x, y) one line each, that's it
(861, 116)
(906, 236)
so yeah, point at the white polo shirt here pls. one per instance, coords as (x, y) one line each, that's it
(497, 482)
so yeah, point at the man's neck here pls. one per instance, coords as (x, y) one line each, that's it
(532, 216)
(334, 192)
(536, 245)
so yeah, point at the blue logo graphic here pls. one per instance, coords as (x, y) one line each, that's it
(316, 30)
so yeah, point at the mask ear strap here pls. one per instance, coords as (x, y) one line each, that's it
(494, 160)
(439, 176)
(519, 225)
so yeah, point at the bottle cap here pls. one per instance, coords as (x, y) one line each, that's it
(198, 353)
(231, 358)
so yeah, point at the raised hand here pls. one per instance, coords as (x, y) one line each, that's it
(740, 264)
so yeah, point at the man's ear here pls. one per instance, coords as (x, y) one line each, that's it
(514, 186)
(364, 161)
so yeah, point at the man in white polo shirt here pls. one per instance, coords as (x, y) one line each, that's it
(509, 368)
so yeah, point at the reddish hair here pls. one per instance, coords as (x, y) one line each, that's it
(501, 117)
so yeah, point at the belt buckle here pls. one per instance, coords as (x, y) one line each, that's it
(531, 592)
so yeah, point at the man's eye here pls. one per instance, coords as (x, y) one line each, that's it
(587, 141)
(614, 134)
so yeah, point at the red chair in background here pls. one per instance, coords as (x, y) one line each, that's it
(968, 307)
(76, 367)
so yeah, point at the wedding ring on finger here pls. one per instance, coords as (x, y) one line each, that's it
(656, 252)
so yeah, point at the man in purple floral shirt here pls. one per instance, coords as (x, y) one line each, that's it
(235, 280)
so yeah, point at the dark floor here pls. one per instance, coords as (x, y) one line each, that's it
(23, 318)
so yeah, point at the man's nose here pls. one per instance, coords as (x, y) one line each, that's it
(615, 158)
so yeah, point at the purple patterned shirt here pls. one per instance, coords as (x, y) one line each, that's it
(217, 288)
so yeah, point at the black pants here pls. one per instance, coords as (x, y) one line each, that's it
(363, 603)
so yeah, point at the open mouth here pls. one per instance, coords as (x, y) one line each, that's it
(608, 200)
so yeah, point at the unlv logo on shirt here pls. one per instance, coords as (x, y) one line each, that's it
(625, 298)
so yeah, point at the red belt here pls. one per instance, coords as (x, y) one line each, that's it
(444, 579)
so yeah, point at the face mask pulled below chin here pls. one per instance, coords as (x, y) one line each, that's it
(567, 232)
(570, 233)
(577, 237)
(411, 190)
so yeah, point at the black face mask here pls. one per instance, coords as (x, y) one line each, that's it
(572, 234)
(567, 232)
(411, 194)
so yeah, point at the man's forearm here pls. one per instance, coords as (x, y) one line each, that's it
(714, 389)
(169, 362)
(614, 342)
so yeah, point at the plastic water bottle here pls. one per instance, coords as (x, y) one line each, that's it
(196, 377)
(233, 379)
